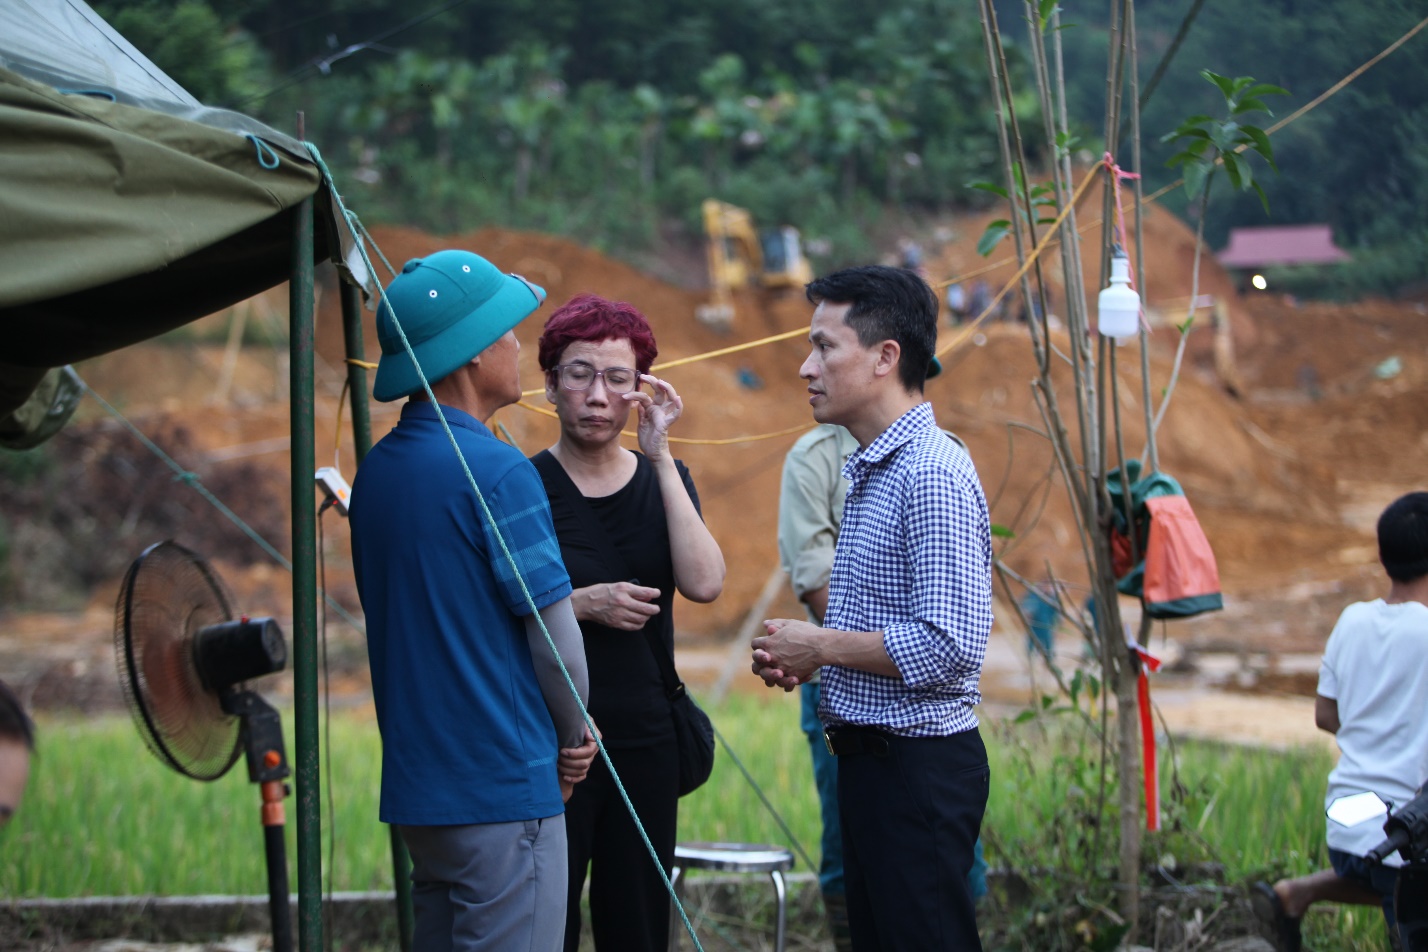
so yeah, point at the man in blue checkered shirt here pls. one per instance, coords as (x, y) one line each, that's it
(909, 612)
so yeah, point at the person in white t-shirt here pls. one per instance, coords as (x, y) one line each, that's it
(1373, 683)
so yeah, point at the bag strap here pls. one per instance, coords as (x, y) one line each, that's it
(673, 687)
(553, 472)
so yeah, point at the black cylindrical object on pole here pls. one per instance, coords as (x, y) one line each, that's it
(278, 903)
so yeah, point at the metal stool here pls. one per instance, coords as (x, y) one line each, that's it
(732, 858)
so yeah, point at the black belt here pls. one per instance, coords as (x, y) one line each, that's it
(842, 741)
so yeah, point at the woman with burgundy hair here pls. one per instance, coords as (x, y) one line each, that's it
(631, 535)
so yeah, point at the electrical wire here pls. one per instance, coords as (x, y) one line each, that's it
(286, 27)
(323, 64)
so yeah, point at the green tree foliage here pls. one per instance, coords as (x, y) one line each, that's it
(604, 118)
(1355, 162)
(208, 59)
(1207, 143)
(530, 135)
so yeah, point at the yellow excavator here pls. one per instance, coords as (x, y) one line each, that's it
(741, 256)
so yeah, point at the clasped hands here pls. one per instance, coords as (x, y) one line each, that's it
(573, 763)
(787, 655)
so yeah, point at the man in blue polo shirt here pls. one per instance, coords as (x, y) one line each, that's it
(907, 621)
(482, 738)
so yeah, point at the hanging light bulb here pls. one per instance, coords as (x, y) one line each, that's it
(1118, 307)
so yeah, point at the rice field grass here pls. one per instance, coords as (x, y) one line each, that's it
(102, 816)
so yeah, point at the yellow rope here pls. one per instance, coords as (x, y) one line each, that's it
(984, 269)
(786, 335)
(801, 428)
(1332, 90)
(709, 355)
(1045, 242)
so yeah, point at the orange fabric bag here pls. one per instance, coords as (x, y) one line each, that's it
(1176, 576)
(1181, 577)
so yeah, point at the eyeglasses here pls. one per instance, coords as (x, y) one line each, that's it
(582, 377)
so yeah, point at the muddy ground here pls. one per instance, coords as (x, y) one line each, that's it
(1328, 423)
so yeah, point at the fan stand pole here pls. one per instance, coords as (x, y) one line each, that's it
(274, 821)
(262, 736)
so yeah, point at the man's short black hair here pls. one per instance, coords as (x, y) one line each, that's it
(887, 304)
(15, 724)
(1403, 538)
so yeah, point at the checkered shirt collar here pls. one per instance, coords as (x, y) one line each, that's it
(889, 441)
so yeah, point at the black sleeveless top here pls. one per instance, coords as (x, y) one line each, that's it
(627, 699)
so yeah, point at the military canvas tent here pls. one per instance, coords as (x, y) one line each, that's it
(127, 207)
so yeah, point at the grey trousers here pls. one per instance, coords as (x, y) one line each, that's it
(489, 887)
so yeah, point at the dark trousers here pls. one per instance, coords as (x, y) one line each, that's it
(825, 778)
(629, 904)
(1381, 879)
(910, 817)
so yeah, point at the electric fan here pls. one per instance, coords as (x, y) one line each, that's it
(182, 660)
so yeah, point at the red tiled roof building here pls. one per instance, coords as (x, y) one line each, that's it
(1281, 245)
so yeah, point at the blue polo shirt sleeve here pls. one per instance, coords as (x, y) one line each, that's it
(522, 513)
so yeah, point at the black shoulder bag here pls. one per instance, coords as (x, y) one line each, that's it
(692, 728)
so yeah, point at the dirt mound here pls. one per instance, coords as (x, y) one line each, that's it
(1352, 379)
(1317, 349)
(1283, 478)
(985, 396)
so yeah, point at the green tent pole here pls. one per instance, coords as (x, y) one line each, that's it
(304, 500)
(362, 442)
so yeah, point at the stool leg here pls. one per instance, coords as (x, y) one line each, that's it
(676, 924)
(781, 924)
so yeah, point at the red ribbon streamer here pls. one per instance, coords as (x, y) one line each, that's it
(1147, 740)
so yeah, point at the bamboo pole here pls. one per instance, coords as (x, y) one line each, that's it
(1113, 631)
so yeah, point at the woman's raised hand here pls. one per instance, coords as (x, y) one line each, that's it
(657, 409)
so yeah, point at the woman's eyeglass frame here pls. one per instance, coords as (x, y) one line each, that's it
(560, 376)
